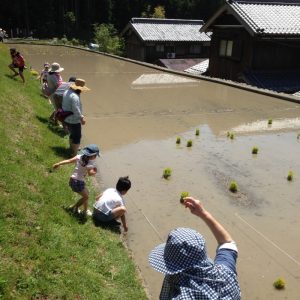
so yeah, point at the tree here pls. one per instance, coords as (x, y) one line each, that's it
(69, 20)
(105, 35)
(159, 12)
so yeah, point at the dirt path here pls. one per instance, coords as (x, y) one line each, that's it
(135, 114)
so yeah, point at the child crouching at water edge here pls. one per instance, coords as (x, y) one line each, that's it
(110, 205)
(85, 164)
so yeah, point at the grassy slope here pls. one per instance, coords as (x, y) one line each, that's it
(45, 253)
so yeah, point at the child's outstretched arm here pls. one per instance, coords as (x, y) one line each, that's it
(64, 162)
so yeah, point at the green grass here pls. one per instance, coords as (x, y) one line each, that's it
(46, 253)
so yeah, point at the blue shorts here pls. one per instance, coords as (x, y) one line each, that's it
(75, 132)
(76, 185)
(102, 217)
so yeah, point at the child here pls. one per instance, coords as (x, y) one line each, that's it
(43, 79)
(17, 62)
(44, 73)
(85, 165)
(110, 205)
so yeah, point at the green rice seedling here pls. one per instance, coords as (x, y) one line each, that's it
(270, 121)
(178, 140)
(182, 196)
(189, 143)
(167, 173)
(232, 136)
(279, 284)
(290, 176)
(197, 132)
(233, 187)
(254, 150)
(34, 72)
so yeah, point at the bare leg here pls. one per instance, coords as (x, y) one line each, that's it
(22, 76)
(74, 148)
(11, 66)
(82, 201)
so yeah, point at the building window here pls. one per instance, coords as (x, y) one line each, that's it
(195, 49)
(226, 48)
(159, 48)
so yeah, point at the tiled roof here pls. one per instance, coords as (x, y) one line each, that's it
(283, 81)
(175, 30)
(270, 18)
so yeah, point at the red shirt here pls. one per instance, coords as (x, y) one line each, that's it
(18, 60)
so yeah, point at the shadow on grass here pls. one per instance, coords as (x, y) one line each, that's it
(54, 128)
(80, 218)
(61, 151)
(10, 76)
(112, 226)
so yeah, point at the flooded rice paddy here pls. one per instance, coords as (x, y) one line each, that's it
(135, 114)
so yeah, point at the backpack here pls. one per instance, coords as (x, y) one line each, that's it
(60, 114)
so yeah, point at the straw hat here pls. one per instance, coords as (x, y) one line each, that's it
(79, 85)
(55, 67)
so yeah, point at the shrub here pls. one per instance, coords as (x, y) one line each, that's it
(182, 196)
(233, 187)
(254, 150)
(178, 140)
(228, 134)
(232, 136)
(270, 121)
(189, 143)
(279, 284)
(290, 176)
(167, 173)
(298, 136)
(197, 132)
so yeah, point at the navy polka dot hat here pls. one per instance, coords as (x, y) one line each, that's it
(185, 248)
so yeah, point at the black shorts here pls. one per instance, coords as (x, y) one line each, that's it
(75, 132)
(21, 69)
(76, 185)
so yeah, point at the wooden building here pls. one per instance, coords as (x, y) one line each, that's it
(149, 39)
(257, 42)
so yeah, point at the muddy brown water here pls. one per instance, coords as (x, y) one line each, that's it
(135, 114)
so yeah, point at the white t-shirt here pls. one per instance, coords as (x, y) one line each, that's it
(109, 200)
(80, 171)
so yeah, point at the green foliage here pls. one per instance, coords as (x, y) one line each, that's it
(230, 135)
(178, 140)
(197, 132)
(189, 143)
(183, 195)
(254, 150)
(270, 121)
(279, 283)
(105, 35)
(298, 136)
(233, 187)
(159, 12)
(167, 173)
(290, 176)
(45, 253)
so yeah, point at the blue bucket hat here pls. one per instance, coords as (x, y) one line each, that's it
(185, 249)
(91, 150)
